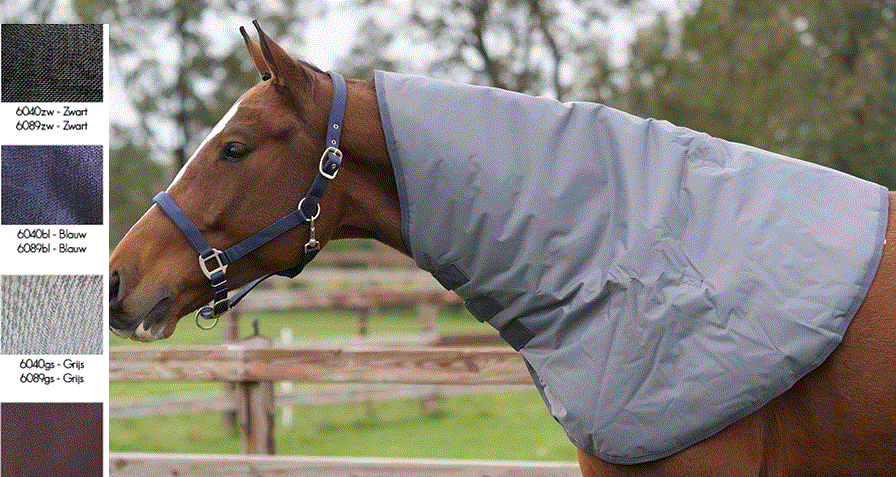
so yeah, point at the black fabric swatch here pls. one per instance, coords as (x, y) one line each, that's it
(52, 185)
(44, 439)
(52, 63)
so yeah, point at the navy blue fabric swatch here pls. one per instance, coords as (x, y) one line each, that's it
(52, 185)
(52, 63)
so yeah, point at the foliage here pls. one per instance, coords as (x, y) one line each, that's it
(530, 46)
(812, 80)
(133, 179)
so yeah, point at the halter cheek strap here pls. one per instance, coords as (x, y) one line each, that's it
(214, 262)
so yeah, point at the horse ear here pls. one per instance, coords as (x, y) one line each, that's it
(287, 72)
(257, 55)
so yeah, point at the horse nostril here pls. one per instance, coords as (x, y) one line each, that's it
(114, 281)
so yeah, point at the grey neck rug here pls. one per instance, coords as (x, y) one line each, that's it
(660, 283)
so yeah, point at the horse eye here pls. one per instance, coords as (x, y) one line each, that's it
(234, 151)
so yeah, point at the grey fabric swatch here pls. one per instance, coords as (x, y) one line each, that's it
(52, 314)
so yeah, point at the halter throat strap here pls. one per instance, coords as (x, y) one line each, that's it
(214, 262)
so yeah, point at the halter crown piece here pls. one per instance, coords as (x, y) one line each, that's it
(213, 262)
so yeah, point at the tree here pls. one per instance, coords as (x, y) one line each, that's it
(530, 46)
(812, 80)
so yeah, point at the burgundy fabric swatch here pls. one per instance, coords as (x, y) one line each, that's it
(51, 439)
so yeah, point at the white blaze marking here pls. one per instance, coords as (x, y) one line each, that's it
(217, 129)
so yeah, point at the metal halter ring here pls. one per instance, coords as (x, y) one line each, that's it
(316, 212)
(199, 314)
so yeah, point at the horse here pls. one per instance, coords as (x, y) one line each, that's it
(254, 169)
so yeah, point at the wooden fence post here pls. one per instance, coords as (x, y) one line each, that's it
(286, 387)
(363, 331)
(427, 313)
(256, 409)
(426, 316)
(363, 320)
(230, 323)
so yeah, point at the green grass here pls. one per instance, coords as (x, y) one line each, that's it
(508, 425)
(502, 426)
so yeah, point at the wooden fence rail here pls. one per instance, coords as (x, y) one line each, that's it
(199, 465)
(288, 363)
(253, 365)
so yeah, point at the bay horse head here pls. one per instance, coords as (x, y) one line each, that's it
(251, 191)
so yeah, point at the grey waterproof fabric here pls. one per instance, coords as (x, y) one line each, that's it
(660, 283)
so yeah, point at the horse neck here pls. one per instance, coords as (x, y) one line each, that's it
(370, 208)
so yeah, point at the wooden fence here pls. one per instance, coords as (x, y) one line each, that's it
(196, 465)
(239, 363)
(254, 364)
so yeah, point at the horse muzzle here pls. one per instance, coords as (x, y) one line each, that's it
(146, 327)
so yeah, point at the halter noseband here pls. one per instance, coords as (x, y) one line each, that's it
(213, 262)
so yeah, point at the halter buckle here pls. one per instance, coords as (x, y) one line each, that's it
(335, 166)
(219, 264)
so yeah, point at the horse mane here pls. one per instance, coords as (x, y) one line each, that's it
(312, 66)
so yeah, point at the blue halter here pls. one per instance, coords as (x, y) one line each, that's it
(213, 262)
